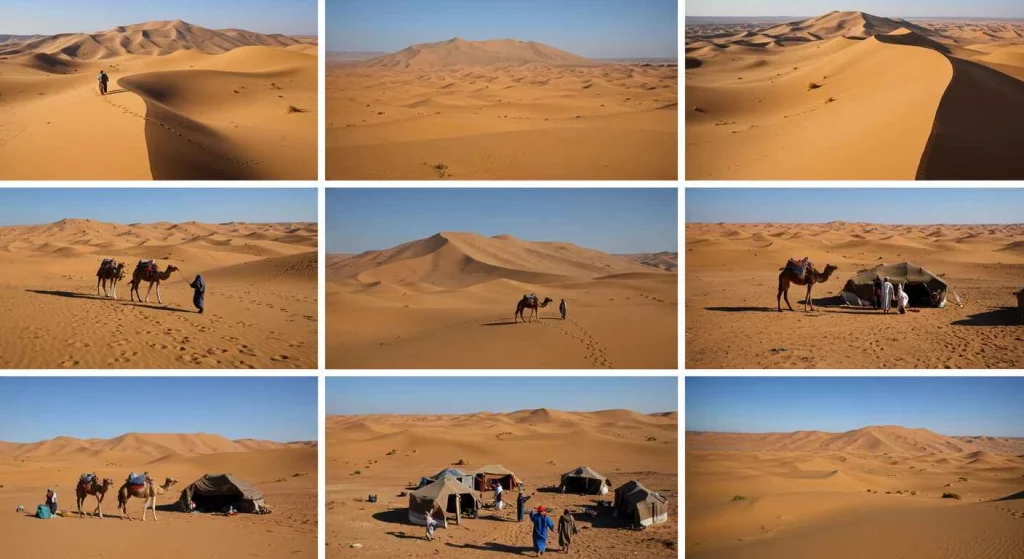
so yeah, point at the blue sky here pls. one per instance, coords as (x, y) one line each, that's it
(425, 395)
(48, 17)
(946, 405)
(619, 220)
(268, 408)
(31, 206)
(885, 8)
(889, 205)
(591, 28)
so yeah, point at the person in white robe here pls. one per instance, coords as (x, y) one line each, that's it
(886, 295)
(902, 299)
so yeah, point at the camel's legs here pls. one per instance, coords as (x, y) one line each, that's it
(145, 505)
(99, 507)
(113, 289)
(158, 300)
(79, 503)
(150, 290)
(154, 507)
(807, 299)
(98, 280)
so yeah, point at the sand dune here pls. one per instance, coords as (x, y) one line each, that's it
(286, 474)
(817, 99)
(503, 109)
(789, 494)
(185, 102)
(447, 300)
(732, 280)
(620, 444)
(261, 299)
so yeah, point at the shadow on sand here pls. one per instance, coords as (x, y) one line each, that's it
(504, 323)
(151, 307)
(494, 546)
(1016, 496)
(393, 516)
(405, 536)
(69, 294)
(116, 91)
(742, 309)
(1004, 316)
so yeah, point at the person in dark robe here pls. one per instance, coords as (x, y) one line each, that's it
(878, 292)
(200, 294)
(562, 308)
(566, 530)
(521, 505)
(103, 78)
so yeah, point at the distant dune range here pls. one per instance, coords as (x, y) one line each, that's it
(286, 474)
(499, 109)
(732, 277)
(417, 302)
(849, 95)
(389, 451)
(201, 104)
(261, 299)
(875, 491)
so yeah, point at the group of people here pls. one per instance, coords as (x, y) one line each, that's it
(885, 297)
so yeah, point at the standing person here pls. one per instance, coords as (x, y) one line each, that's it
(886, 295)
(521, 505)
(200, 294)
(541, 524)
(902, 299)
(566, 530)
(878, 292)
(103, 79)
(51, 501)
(498, 503)
(562, 308)
(431, 524)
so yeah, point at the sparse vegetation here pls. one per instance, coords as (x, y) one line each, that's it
(294, 109)
(357, 472)
(813, 85)
(740, 498)
(962, 479)
(833, 100)
(441, 169)
(951, 496)
(393, 452)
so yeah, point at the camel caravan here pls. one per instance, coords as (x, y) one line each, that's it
(222, 494)
(111, 271)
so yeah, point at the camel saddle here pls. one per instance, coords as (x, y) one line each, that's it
(108, 263)
(145, 265)
(137, 480)
(799, 266)
(86, 479)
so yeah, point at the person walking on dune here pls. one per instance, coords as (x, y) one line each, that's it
(200, 294)
(566, 530)
(541, 524)
(103, 79)
(886, 295)
(562, 308)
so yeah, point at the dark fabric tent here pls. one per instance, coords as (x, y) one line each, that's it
(924, 288)
(443, 496)
(215, 492)
(640, 506)
(585, 481)
(456, 474)
(487, 475)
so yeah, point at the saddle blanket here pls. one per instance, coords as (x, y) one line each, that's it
(798, 265)
(108, 263)
(136, 479)
(87, 478)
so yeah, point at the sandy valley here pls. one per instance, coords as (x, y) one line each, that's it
(447, 301)
(849, 95)
(732, 277)
(261, 300)
(499, 109)
(383, 454)
(184, 102)
(871, 492)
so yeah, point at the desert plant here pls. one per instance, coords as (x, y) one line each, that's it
(813, 85)
(741, 498)
(441, 169)
(951, 496)
(833, 100)
(962, 479)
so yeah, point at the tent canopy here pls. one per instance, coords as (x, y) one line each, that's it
(585, 480)
(924, 288)
(491, 473)
(639, 505)
(454, 473)
(214, 492)
(445, 495)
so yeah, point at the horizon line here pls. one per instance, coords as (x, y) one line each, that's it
(841, 221)
(847, 431)
(161, 433)
(501, 412)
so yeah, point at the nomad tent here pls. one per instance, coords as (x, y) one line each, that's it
(640, 506)
(457, 475)
(924, 288)
(585, 481)
(443, 496)
(215, 492)
(487, 475)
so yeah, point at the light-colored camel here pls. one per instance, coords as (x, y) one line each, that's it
(151, 276)
(147, 493)
(527, 303)
(95, 489)
(113, 274)
(809, 277)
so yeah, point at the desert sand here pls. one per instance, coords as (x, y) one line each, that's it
(184, 102)
(286, 474)
(732, 273)
(448, 301)
(261, 299)
(871, 492)
(538, 445)
(849, 95)
(499, 109)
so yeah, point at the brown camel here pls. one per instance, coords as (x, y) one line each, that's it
(151, 276)
(147, 493)
(809, 277)
(527, 303)
(113, 274)
(95, 489)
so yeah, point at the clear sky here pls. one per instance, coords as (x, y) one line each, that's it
(946, 405)
(49, 17)
(613, 220)
(267, 408)
(590, 28)
(32, 206)
(904, 206)
(426, 395)
(884, 8)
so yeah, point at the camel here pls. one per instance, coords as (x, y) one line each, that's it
(809, 277)
(147, 493)
(1020, 305)
(95, 489)
(113, 274)
(151, 276)
(526, 303)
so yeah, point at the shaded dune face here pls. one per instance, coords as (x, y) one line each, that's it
(955, 112)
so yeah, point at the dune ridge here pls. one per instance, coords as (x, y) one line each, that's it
(146, 444)
(460, 52)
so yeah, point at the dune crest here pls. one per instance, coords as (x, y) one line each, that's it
(494, 53)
